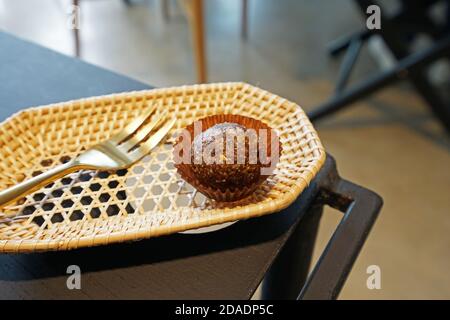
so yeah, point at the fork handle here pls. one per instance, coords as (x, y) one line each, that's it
(30, 185)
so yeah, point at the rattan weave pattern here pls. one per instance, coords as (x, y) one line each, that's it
(149, 199)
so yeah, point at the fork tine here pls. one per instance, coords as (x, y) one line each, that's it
(142, 133)
(133, 126)
(153, 141)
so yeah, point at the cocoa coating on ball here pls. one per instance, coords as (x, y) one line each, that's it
(229, 173)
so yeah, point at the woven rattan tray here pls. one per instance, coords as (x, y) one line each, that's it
(149, 199)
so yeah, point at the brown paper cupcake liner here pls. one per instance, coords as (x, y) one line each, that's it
(229, 194)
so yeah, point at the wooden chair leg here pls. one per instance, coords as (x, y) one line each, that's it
(194, 11)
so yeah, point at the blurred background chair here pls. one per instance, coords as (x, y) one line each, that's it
(398, 32)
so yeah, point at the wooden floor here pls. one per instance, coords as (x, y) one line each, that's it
(389, 143)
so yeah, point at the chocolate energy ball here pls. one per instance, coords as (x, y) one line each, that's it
(228, 173)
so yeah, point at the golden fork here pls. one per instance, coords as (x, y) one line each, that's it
(119, 152)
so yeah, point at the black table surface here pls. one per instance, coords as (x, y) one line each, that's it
(229, 263)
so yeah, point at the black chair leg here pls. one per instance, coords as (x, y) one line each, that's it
(410, 66)
(437, 105)
(338, 46)
(287, 276)
(407, 68)
(418, 76)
